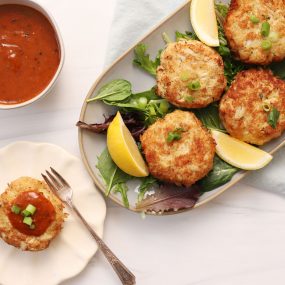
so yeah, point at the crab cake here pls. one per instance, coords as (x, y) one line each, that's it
(190, 74)
(30, 214)
(178, 149)
(255, 97)
(243, 27)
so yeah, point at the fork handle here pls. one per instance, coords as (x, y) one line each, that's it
(122, 271)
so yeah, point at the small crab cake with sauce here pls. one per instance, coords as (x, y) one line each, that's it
(178, 149)
(255, 30)
(190, 74)
(30, 214)
(253, 109)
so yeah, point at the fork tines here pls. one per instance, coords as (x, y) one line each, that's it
(54, 180)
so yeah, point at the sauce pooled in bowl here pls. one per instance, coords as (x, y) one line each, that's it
(29, 53)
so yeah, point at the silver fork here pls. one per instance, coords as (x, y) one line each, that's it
(64, 192)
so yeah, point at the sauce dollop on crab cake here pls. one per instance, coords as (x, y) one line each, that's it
(253, 109)
(178, 149)
(190, 74)
(30, 214)
(255, 30)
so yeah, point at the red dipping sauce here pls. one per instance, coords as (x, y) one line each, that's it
(42, 218)
(29, 53)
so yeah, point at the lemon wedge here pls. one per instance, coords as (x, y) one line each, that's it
(124, 150)
(204, 21)
(238, 153)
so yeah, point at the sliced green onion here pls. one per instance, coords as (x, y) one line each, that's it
(142, 102)
(266, 44)
(26, 213)
(266, 106)
(28, 221)
(16, 209)
(265, 29)
(31, 208)
(173, 136)
(254, 19)
(273, 118)
(185, 75)
(164, 106)
(195, 85)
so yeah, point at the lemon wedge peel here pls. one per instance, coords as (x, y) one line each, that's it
(204, 21)
(238, 153)
(124, 150)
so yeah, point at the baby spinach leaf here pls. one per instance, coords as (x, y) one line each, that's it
(142, 59)
(278, 69)
(153, 106)
(114, 91)
(221, 173)
(210, 117)
(273, 117)
(114, 177)
(125, 105)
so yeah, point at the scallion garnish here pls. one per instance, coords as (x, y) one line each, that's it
(265, 29)
(175, 135)
(254, 19)
(273, 117)
(26, 213)
(266, 106)
(195, 85)
(185, 75)
(31, 208)
(266, 44)
(16, 209)
(28, 221)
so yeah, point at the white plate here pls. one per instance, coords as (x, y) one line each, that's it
(91, 145)
(71, 250)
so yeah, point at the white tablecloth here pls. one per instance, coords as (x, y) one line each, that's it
(239, 238)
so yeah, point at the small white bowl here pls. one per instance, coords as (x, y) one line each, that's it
(47, 14)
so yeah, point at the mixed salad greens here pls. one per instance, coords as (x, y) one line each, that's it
(139, 110)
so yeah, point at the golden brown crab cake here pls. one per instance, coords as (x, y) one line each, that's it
(178, 149)
(245, 110)
(47, 220)
(243, 26)
(190, 74)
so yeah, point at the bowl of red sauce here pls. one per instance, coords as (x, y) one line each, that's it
(31, 53)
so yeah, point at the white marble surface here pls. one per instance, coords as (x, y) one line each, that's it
(239, 238)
